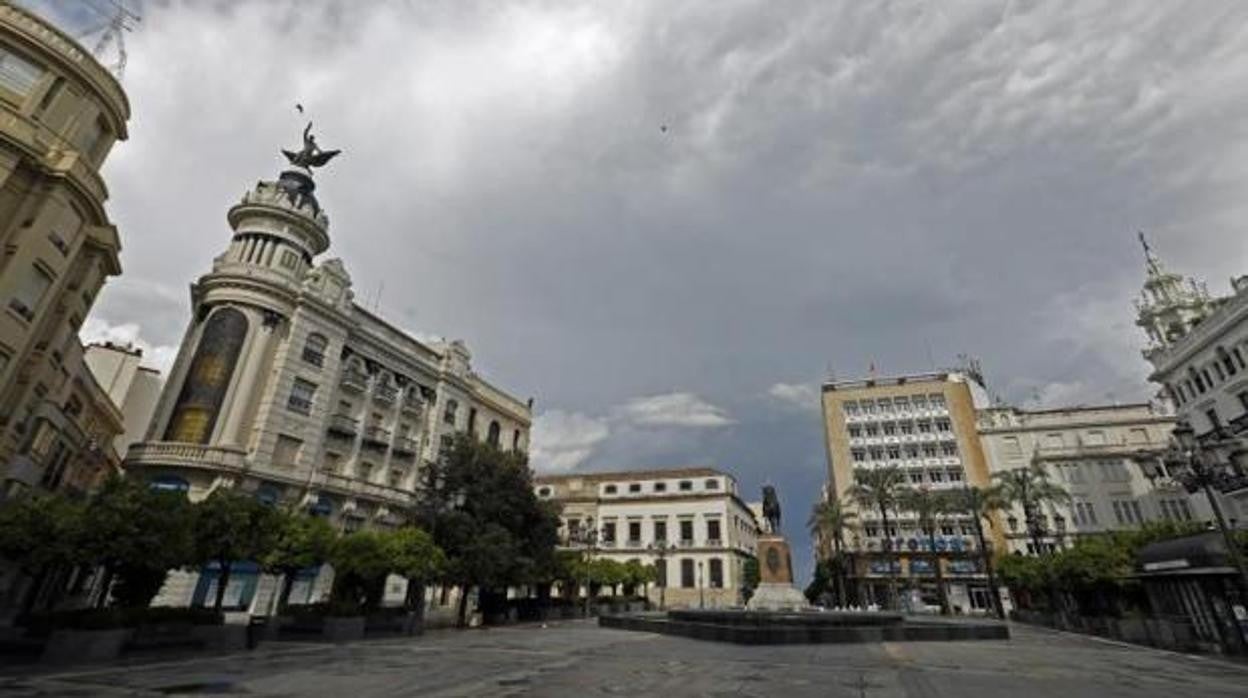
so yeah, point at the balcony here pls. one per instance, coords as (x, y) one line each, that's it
(685, 543)
(606, 544)
(633, 543)
(355, 380)
(714, 543)
(376, 437)
(171, 453)
(386, 394)
(343, 426)
(405, 446)
(412, 402)
(357, 487)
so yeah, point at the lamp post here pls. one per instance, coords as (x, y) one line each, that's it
(660, 549)
(586, 535)
(1197, 467)
(701, 587)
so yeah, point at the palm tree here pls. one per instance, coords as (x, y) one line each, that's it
(980, 503)
(927, 506)
(878, 489)
(827, 524)
(1030, 488)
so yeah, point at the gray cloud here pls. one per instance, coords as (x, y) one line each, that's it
(621, 200)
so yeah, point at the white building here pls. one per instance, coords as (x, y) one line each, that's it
(1095, 454)
(133, 387)
(1198, 346)
(696, 511)
(285, 387)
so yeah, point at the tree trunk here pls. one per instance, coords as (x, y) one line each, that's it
(940, 573)
(463, 607)
(993, 592)
(223, 580)
(890, 558)
(838, 578)
(288, 583)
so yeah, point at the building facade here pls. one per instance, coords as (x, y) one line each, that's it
(1198, 348)
(286, 388)
(1096, 454)
(689, 522)
(62, 113)
(923, 424)
(131, 386)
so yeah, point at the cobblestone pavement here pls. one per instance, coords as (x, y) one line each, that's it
(580, 659)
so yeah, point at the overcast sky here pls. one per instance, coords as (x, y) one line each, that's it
(668, 221)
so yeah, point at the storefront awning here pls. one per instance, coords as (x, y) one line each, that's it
(1201, 553)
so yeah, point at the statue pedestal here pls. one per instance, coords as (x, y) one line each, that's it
(775, 591)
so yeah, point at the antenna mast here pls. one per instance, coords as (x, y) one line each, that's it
(118, 20)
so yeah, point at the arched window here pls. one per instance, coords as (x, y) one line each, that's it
(314, 349)
(494, 432)
(203, 390)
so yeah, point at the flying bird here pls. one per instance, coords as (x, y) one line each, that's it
(663, 128)
(299, 107)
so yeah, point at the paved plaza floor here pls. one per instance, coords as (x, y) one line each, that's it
(580, 659)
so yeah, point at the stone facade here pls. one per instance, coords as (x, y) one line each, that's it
(62, 112)
(696, 512)
(131, 386)
(1198, 347)
(1095, 453)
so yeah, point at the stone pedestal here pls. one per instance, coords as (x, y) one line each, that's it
(775, 591)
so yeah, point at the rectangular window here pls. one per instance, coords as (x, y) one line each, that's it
(1215, 422)
(936, 401)
(850, 409)
(889, 428)
(450, 413)
(712, 530)
(686, 574)
(660, 530)
(955, 476)
(925, 427)
(30, 292)
(396, 477)
(1136, 515)
(906, 427)
(716, 580)
(686, 531)
(859, 455)
(660, 487)
(608, 532)
(17, 74)
(634, 531)
(894, 452)
(286, 452)
(949, 449)
(855, 431)
(301, 395)
(634, 487)
(943, 425)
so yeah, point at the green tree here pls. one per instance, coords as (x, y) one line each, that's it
(361, 560)
(750, 578)
(482, 511)
(980, 503)
(417, 558)
(135, 535)
(41, 534)
(230, 527)
(1031, 489)
(928, 506)
(828, 522)
(300, 541)
(820, 582)
(879, 489)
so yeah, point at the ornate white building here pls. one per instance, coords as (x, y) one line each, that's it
(689, 522)
(1198, 346)
(285, 387)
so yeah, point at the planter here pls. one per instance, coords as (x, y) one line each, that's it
(79, 646)
(343, 628)
(221, 638)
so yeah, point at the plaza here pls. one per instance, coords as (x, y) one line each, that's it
(577, 658)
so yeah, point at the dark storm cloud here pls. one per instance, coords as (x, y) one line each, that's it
(624, 201)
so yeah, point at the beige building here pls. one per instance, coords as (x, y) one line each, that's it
(925, 425)
(694, 515)
(287, 388)
(1095, 453)
(61, 114)
(1198, 346)
(131, 386)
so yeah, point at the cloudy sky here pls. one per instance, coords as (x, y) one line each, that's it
(669, 221)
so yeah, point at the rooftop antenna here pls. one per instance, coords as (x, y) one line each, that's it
(118, 19)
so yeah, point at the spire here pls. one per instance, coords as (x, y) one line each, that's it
(1150, 260)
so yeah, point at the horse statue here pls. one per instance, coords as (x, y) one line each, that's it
(771, 509)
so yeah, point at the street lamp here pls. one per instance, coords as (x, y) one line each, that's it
(701, 593)
(1197, 467)
(586, 535)
(660, 549)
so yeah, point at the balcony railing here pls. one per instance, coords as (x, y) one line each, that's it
(686, 543)
(172, 453)
(405, 446)
(634, 543)
(355, 380)
(714, 543)
(376, 436)
(606, 544)
(342, 425)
